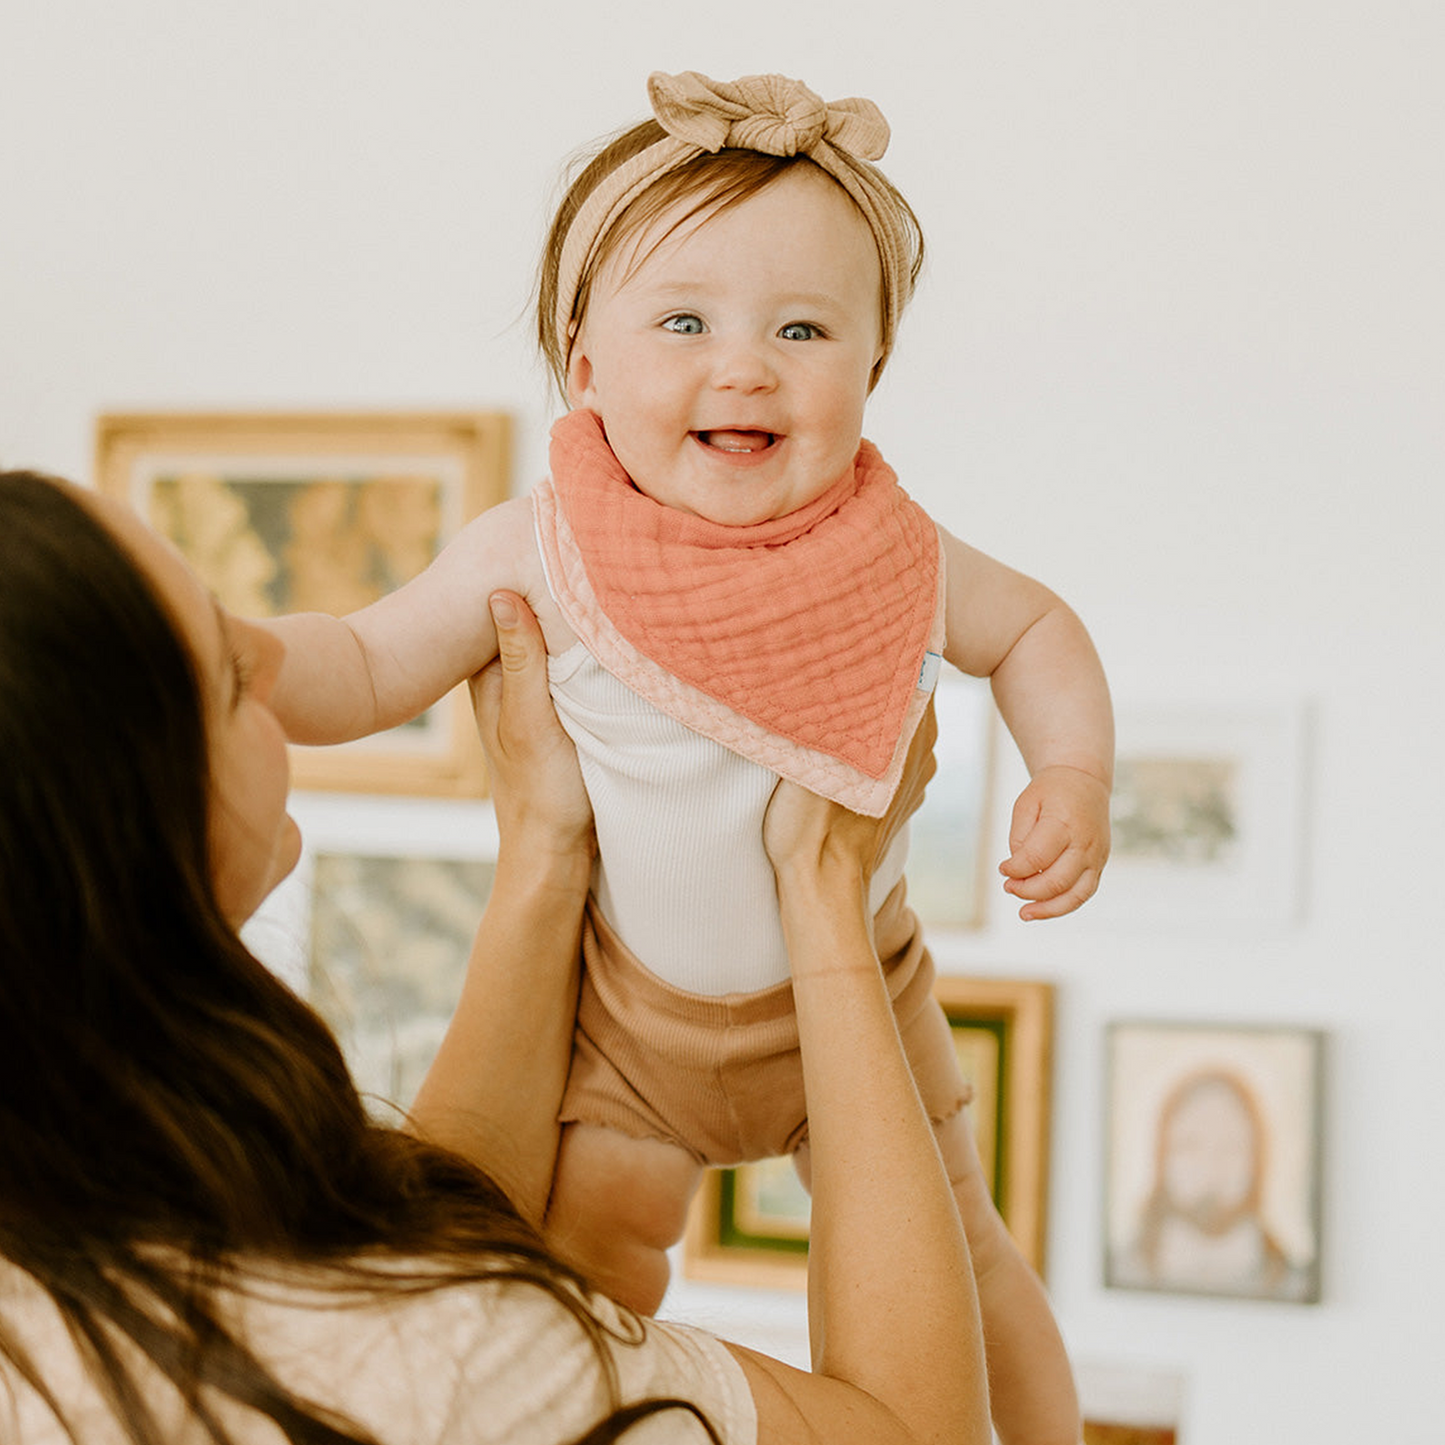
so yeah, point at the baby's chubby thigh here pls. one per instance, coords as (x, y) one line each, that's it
(618, 1204)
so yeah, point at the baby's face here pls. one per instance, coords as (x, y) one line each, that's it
(731, 365)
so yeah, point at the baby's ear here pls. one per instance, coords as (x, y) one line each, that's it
(580, 390)
(879, 357)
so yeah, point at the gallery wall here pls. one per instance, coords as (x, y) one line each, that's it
(1177, 352)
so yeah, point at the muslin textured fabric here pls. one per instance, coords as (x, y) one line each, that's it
(801, 642)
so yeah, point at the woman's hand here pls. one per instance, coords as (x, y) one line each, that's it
(892, 1307)
(536, 784)
(802, 829)
(494, 1089)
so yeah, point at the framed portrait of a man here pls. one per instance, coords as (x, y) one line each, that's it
(1213, 1167)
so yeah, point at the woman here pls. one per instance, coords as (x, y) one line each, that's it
(203, 1237)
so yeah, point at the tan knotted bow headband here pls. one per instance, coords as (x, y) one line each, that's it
(766, 113)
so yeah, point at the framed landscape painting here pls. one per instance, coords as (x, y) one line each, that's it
(292, 512)
(1208, 819)
(374, 926)
(390, 938)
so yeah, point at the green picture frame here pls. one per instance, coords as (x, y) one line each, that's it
(748, 1225)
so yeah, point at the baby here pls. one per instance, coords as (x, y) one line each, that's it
(733, 587)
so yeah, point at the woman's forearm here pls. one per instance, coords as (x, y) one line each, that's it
(493, 1090)
(495, 1086)
(892, 1305)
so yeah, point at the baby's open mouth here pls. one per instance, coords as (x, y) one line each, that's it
(737, 441)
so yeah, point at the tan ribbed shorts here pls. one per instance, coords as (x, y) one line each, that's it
(721, 1076)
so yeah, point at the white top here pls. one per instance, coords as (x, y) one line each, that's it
(478, 1364)
(682, 874)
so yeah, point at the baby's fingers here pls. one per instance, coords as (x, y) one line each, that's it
(1052, 894)
(1036, 847)
(1046, 868)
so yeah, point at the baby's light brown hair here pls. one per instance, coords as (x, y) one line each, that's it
(717, 144)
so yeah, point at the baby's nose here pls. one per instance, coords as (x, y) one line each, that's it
(745, 365)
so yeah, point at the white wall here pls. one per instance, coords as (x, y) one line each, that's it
(1178, 352)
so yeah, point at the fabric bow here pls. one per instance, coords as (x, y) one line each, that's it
(769, 113)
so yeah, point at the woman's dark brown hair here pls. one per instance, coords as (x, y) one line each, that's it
(168, 1108)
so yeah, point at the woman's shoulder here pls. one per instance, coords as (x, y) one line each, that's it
(490, 1360)
(504, 1359)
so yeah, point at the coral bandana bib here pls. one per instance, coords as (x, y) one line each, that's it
(806, 643)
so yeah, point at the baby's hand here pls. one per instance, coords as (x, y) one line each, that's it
(1060, 840)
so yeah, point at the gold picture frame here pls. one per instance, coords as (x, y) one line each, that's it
(296, 511)
(748, 1225)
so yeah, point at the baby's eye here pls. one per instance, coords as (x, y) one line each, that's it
(684, 324)
(800, 331)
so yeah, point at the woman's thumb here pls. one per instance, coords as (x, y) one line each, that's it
(514, 641)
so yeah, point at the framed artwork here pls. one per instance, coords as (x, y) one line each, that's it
(389, 942)
(947, 870)
(749, 1224)
(375, 926)
(1129, 1404)
(1212, 1179)
(1208, 819)
(290, 512)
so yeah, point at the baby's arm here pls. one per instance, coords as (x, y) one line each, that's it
(347, 677)
(1051, 691)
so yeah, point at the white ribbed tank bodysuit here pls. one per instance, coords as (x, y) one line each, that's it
(681, 874)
